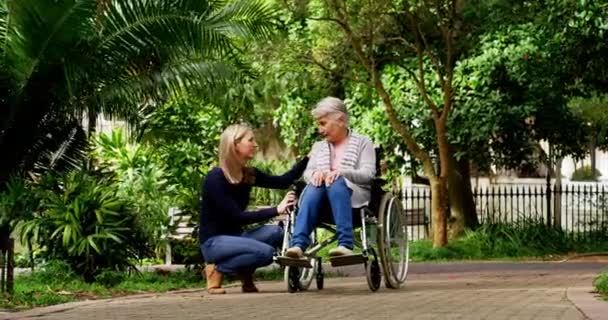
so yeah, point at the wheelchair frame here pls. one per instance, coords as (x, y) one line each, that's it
(376, 256)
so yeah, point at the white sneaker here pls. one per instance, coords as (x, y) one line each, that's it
(340, 251)
(295, 252)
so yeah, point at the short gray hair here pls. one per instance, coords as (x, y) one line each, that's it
(330, 106)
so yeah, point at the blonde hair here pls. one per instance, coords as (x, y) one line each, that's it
(331, 107)
(234, 170)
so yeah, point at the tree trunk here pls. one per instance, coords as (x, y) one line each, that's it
(462, 205)
(5, 232)
(439, 209)
(592, 146)
(92, 126)
(557, 199)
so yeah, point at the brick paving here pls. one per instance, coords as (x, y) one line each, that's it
(494, 291)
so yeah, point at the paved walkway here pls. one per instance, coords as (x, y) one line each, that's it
(433, 291)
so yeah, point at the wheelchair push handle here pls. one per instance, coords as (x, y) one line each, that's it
(297, 189)
(292, 207)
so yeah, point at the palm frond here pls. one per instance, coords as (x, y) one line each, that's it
(69, 154)
(157, 27)
(41, 31)
(64, 57)
(208, 78)
(4, 27)
(170, 27)
(62, 148)
(245, 18)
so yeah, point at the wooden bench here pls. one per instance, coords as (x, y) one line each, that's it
(180, 229)
(7, 249)
(417, 217)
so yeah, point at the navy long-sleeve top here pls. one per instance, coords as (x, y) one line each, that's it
(223, 204)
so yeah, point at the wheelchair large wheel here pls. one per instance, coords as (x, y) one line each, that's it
(393, 241)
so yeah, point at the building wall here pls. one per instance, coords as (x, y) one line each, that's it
(601, 163)
(104, 125)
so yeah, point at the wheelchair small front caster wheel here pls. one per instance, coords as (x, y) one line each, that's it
(374, 276)
(320, 280)
(293, 279)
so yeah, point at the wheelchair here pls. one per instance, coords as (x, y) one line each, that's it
(383, 241)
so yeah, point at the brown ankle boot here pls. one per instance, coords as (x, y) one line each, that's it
(214, 280)
(247, 285)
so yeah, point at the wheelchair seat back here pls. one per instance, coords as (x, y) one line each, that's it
(376, 188)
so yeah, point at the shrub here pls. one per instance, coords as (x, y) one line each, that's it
(585, 174)
(83, 221)
(54, 272)
(110, 278)
(18, 201)
(601, 284)
(186, 251)
(269, 197)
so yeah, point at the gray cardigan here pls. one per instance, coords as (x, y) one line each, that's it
(358, 166)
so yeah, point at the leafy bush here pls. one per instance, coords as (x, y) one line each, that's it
(110, 278)
(269, 197)
(29, 258)
(83, 221)
(186, 251)
(17, 203)
(54, 272)
(141, 179)
(601, 284)
(585, 174)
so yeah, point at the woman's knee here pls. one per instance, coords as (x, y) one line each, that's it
(206, 252)
(339, 188)
(276, 234)
(312, 196)
(266, 255)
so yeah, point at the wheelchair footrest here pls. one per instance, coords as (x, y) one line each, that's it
(347, 260)
(293, 262)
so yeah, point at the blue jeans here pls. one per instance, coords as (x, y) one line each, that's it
(253, 249)
(334, 198)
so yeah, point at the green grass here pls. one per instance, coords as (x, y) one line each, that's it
(55, 285)
(30, 292)
(601, 284)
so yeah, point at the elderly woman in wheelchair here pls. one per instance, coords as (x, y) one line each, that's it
(338, 176)
(341, 185)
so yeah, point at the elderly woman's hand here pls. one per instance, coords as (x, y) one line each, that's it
(331, 177)
(318, 177)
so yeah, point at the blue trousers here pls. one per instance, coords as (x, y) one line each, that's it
(314, 200)
(235, 254)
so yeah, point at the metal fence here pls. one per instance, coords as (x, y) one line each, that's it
(7, 247)
(417, 202)
(581, 210)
